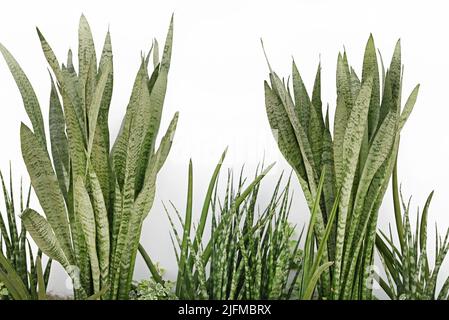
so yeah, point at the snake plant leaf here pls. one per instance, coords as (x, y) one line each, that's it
(11, 279)
(423, 226)
(70, 66)
(106, 62)
(4, 235)
(166, 55)
(299, 131)
(70, 91)
(444, 292)
(167, 141)
(29, 98)
(90, 85)
(314, 279)
(132, 155)
(302, 100)
(150, 264)
(378, 154)
(148, 56)
(342, 112)
(119, 150)
(141, 209)
(153, 78)
(355, 83)
(152, 115)
(47, 189)
(87, 61)
(315, 131)
(42, 233)
(79, 245)
(409, 104)
(100, 159)
(75, 128)
(51, 57)
(371, 69)
(283, 131)
(317, 124)
(99, 294)
(395, 71)
(380, 183)
(47, 271)
(207, 200)
(94, 109)
(327, 233)
(351, 150)
(58, 139)
(316, 93)
(115, 226)
(310, 182)
(327, 160)
(85, 214)
(42, 294)
(156, 60)
(303, 143)
(102, 227)
(343, 81)
(186, 228)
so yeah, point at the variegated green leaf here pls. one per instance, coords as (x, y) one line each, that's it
(371, 69)
(85, 214)
(42, 233)
(46, 186)
(351, 149)
(29, 98)
(101, 227)
(408, 107)
(58, 139)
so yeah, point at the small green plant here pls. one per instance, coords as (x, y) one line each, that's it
(409, 275)
(248, 254)
(21, 275)
(3, 291)
(357, 158)
(150, 289)
(94, 198)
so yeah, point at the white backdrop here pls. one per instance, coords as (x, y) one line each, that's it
(216, 82)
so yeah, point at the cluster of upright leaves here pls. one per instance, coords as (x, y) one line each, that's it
(249, 254)
(94, 199)
(357, 158)
(408, 272)
(21, 274)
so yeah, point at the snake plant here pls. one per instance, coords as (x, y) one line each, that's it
(21, 274)
(408, 271)
(249, 254)
(357, 155)
(94, 197)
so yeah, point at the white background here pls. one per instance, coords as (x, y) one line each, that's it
(216, 82)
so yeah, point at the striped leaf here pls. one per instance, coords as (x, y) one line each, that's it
(58, 138)
(29, 98)
(351, 150)
(101, 227)
(85, 214)
(47, 189)
(42, 233)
